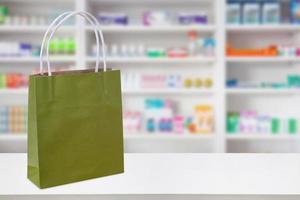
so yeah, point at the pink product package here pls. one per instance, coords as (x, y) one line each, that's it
(178, 124)
(153, 81)
(248, 121)
(132, 121)
(156, 18)
(298, 52)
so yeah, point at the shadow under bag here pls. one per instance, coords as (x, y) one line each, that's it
(74, 120)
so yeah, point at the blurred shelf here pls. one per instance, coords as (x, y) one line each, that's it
(8, 91)
(159, 136)
(169, 91)
(170, 28)
(157, 60)
(21, 29)
(167, 136)
(245, 59)
(36, 59)
(259, 91)
(162, 136)
(13, 136)
(24, 91)
(263, 28)
(261, 136)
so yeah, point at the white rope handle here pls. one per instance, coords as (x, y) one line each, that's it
(92, 20)
(45, 37)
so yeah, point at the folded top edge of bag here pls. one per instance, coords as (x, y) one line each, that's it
(71, 72)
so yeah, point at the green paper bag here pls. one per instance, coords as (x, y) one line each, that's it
(74, 122)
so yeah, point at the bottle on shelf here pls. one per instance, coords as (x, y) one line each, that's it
(192, 45)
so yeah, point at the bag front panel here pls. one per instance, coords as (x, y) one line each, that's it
(79, 127)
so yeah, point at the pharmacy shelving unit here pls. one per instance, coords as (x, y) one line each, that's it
(220, 67)
(166, 36)
(10, 142)
(135, 33)
(277, 102)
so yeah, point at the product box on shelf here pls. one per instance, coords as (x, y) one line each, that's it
(251, 122)
(161, 116)
(63, 46)
(140, 81)
(251, 13)
(110, 18)
(234, 13)
(197, 46)
(271, 13)
(295, 11)
(13, 80)
(268, 51)
(13, 119)
(292, 81)
(8, 18)
(263, 12)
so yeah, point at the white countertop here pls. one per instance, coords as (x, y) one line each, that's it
(203, 174)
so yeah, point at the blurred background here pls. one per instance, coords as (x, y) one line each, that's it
(197, 75)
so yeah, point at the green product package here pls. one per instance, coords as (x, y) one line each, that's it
(156, 53)
(2, 81)
(275, 126)
(232, 122)
(293, 81)
(74, 125)
(61, 46)
(53, 47)
(292, 125)
(70, 46)
(3, 13)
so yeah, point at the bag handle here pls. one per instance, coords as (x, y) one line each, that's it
(45, 37)
(60, 19)
(93, 21)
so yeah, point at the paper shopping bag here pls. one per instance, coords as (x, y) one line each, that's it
(74, 125)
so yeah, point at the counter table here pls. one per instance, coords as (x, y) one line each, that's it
(169, 176)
